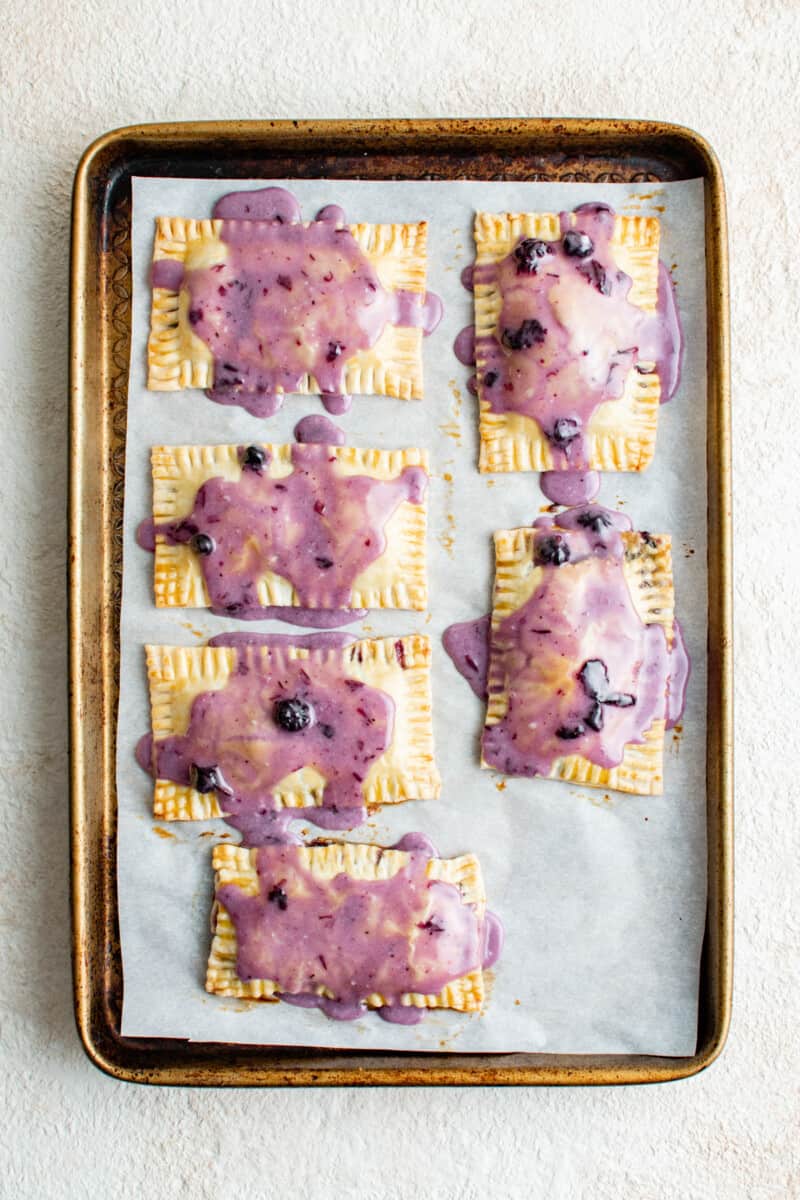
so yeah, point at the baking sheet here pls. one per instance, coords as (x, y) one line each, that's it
(602, 895)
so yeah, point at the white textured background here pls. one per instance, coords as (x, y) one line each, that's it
(71, 71)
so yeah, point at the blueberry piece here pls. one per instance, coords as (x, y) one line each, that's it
(551, 550)
(530, 333)
(202, 544)
(327, 731)
(594, 519)
(334, 351)
(568, 733)
(528, 253)
(565, 430)
(594, 677)
(594, 718)
(208, 779)
(254, 458)
(595, 274)
(577, 244)
(278, 896)
(324, 564)
(292, 715)
(490, 378)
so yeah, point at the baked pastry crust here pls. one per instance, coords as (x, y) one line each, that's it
(621, 435)
(395, 580)
(236, 866)
(177, 358)
(405, 771)
(647, 567)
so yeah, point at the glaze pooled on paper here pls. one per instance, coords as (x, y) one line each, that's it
(357, 937)
(286, 300)
(583, 674)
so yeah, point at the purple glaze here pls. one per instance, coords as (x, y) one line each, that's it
(337, 403)
(236, 731)
(307, 641)
(493, 939)
(570, 487)
(144, 753)
(468, 277)
(464, 346)
(568, 336)
(265, 204)
(146, 534)
(409, 311)
(583, 673)
(287, 301)
(680, 670)
(406, 933)
(319, 431)
(166, 273)
(467, 643)
(317, 527)
(401, 1014)
(332, 213)
(670, 354)
(417, 843)
(307, 618)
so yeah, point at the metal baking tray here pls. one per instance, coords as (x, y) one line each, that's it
(100, 326)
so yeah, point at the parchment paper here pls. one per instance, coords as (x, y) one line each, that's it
(602, 895)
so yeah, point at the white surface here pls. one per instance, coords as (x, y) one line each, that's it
(602, 895)
(730, 70)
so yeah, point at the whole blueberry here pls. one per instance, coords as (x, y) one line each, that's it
(530, 333)
(202, 544)
(551, 551)
(568, 733)
(292, 715)
(528, 253)
(594, 519)
(207, 779)
(594, 677)
(278, 896)
(577, 244)
(254, 458)
(594, 718)
(565, 430)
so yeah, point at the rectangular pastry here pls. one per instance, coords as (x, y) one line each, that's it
(346, 926)
(577, 339)
(320, 727)
(587, 662)
(252, 309)
(242, 528)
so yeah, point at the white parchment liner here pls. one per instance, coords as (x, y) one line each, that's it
(602, 895)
